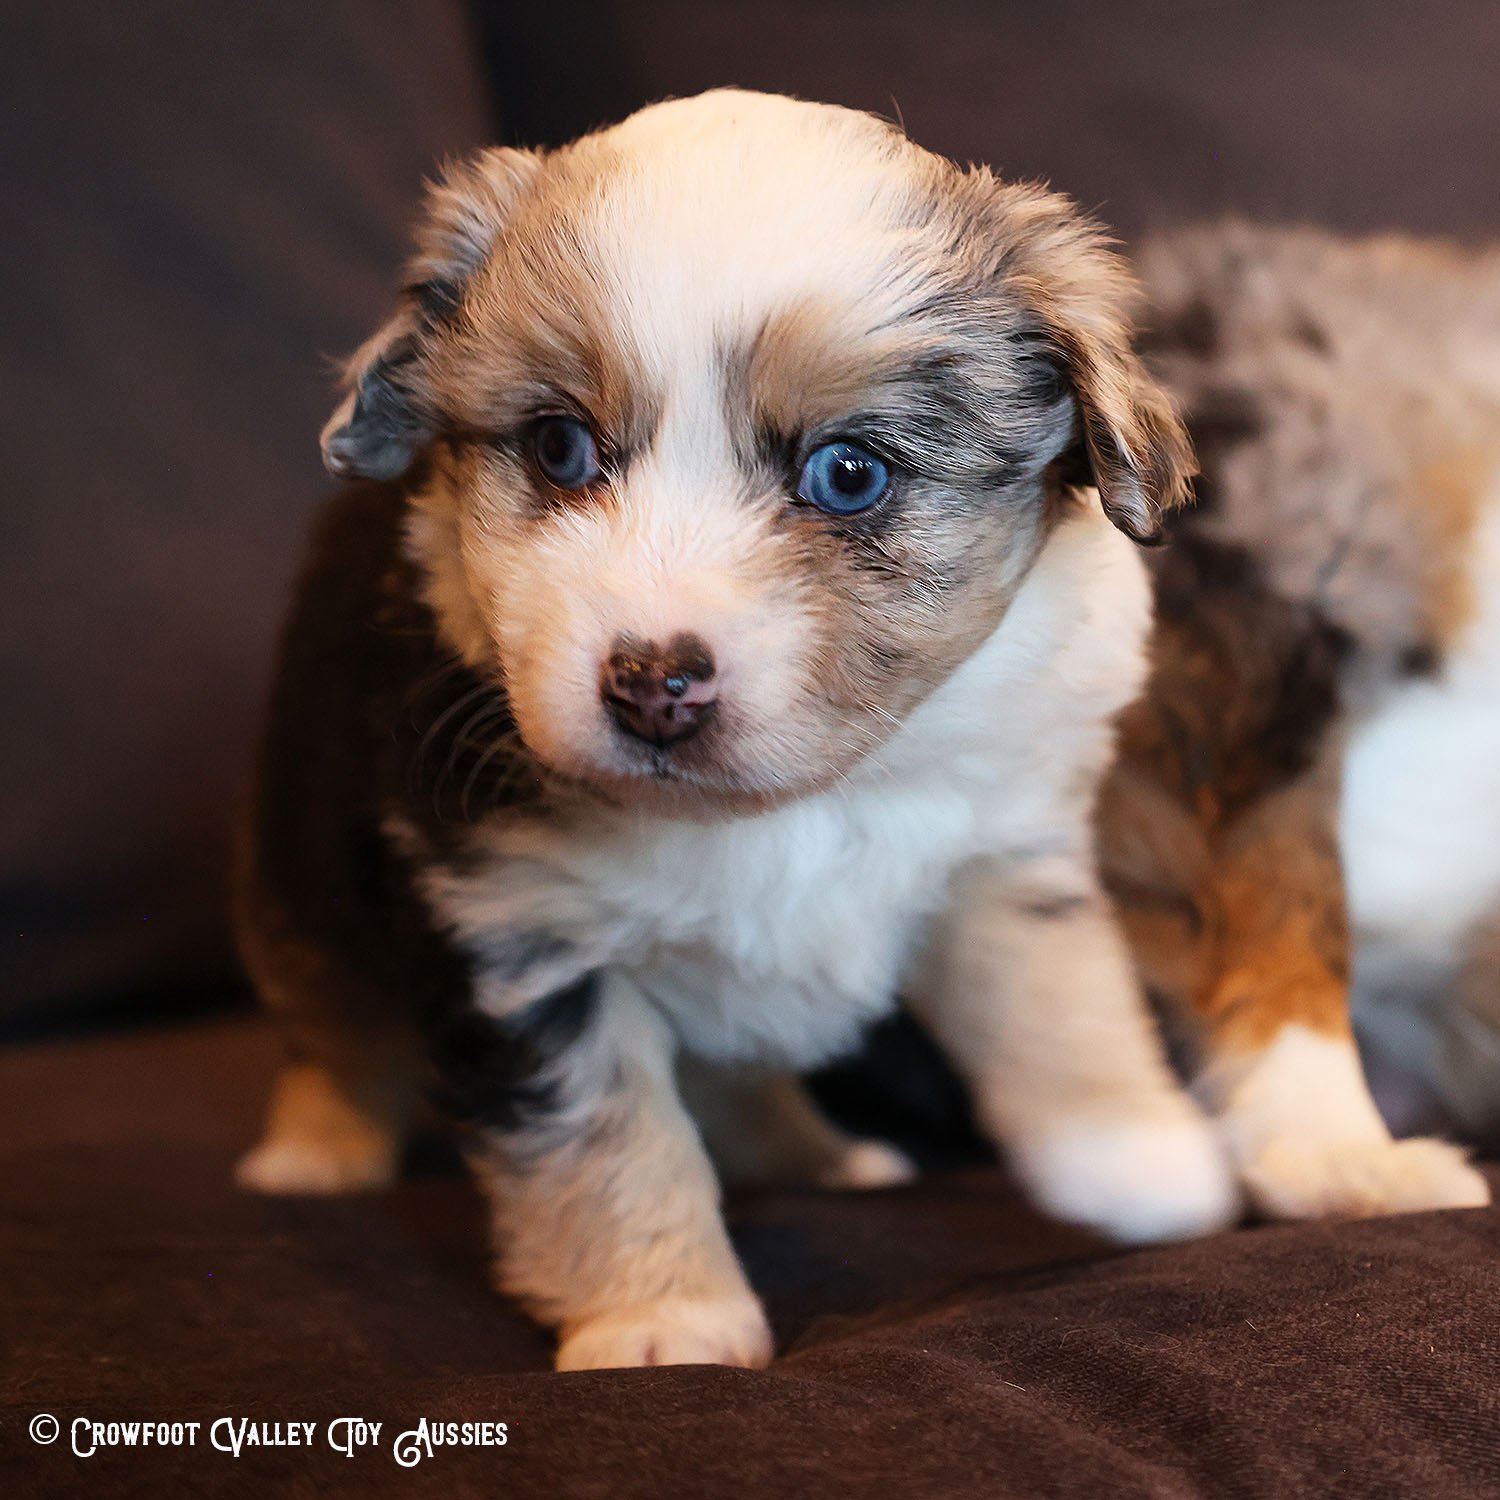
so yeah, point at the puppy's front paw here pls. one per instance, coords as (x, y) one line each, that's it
(674, 1331)
(1292, 1177)
(288, 1166)
(1137, 1181)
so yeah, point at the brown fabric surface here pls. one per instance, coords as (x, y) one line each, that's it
(936, 1341)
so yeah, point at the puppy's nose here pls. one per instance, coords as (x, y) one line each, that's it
(660, 695)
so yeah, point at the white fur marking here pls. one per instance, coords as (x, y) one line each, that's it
(1421, 843)
(1137, 1181)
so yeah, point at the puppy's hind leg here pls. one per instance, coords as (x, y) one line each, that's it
(333, 1127)
(1281, 1071)
(764, 1127)
(343, 1101)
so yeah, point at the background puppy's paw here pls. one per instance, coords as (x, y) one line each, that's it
(674, 1331)
(1291, 1177)
(1137, 1181)
(868, 1164)
(313, 1167)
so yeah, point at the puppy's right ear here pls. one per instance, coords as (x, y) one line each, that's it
(387, 416)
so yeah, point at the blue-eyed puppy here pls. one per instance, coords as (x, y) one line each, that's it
(727, 636)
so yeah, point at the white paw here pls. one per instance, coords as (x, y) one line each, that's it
(1292, 1177)
(1135, 1181)
(868, 1164)
(674, 1331)
(315, 1167)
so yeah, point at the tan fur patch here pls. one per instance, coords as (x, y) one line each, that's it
(1443, 501)
(1282, 954)
(1243, 931)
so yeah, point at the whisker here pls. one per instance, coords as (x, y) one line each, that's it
(447, 715)
(485, 713)
(477, 770)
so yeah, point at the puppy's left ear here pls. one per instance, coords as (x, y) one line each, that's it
(377, 429)
(1079, 298)
(387, 415)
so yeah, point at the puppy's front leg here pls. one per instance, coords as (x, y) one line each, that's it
(1028, 986)
(605, 1206)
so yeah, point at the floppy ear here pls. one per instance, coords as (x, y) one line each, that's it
(1134, 444)
(1077, 300)
(387, 417)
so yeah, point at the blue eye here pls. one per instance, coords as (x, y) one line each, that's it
(843, 480)
(565, 452)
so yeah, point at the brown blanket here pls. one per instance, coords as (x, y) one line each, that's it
(936, 1341)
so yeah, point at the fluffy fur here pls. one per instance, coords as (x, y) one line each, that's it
(457, 850)
(1320, 721)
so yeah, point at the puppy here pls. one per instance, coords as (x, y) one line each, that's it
(1311, 777)
(725, 636)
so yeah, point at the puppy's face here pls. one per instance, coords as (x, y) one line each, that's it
(746, 420)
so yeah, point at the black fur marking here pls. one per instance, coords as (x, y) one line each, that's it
(973, 419)
(438, 298)
(385, 430)
(332, 761)
(501, 1074)
(1310, 336)
(1223, 421)
(370, 718)
(1246, 683)
(510, 957)
(1421, 659)
(943, 421)
(1193, 329)
(1055, 908)
(900, 1086)
(1305, 700)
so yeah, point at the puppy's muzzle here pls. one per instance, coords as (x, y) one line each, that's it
(660, 695)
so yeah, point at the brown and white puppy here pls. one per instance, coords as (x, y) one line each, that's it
(728, 637)
(1324, 713)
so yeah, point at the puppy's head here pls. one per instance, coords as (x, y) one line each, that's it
(747, 418)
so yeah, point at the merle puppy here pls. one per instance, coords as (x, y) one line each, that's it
(727, 636)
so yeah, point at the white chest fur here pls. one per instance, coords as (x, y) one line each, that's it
(777, 936)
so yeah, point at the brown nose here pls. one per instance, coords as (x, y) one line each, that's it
(660, 695)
